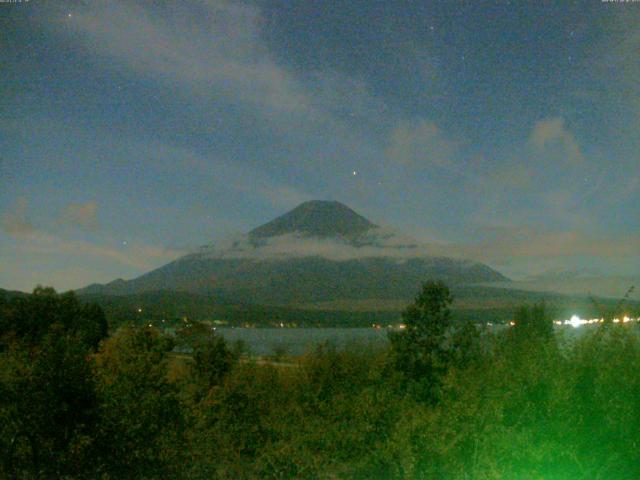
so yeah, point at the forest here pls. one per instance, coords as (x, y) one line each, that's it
(443, 400)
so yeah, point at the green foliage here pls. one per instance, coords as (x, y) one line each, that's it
(212, 361)
(421, 349)
(48, 393)
(520, 403)
(466, 345)
(533, 324)
(47, 384)
(619, 309)
(31, 317)
(141, 422)
(337, 414)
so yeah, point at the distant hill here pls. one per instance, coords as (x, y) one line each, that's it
(473, 303)
(613, 286)
(319, 251)
(7, 294)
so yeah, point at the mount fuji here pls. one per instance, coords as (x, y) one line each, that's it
(321, 251)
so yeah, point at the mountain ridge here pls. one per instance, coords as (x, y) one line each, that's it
(318, 251)
(319, 218)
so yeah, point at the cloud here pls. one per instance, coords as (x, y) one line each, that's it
(378, 242)
(141, 257)
(29, 240)
(83, 215)
(213, 48)
(70, 263)
(16, 223)
(419, 143)
(515, 251)
(213, 53)
(545, 178)
(504, 245)
(551, 133)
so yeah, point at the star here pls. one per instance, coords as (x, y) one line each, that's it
(69, 15)
(355, 173)
(124, 242)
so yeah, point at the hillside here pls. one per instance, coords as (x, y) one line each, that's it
(319, 251)
(474, 303)
(316, 218)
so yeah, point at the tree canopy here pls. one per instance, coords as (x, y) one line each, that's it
(30, 317)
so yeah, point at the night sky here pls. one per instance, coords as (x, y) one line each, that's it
(131, 133)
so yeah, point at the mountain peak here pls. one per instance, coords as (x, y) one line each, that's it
(318, 218)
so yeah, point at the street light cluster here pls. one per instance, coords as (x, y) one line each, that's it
(575, 321)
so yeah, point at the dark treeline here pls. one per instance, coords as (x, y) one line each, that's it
(444, 400)
(472, 303)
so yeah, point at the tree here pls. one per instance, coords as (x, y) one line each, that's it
(466, 345)
(46, 380)
(212, 361)
(608, 313)
(48, 394)
(31, 317)
(141, 429)
(533, 324)
(421, 350)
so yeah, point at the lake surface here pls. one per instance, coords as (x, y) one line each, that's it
(296, 341)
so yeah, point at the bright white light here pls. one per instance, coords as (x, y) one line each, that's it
(576, 321)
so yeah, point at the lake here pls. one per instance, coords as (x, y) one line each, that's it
(295, 341)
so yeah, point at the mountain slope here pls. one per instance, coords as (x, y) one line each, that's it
(316, 218)
(319, 251)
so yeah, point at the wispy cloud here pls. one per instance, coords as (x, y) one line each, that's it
(209, 45)
(214, 50)
(552, 133)
(83, 215)
(378, 242)
(528, 245)
(138, 256)
(31, 240)
(515, 251)
(420, 144)
(15, 221)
